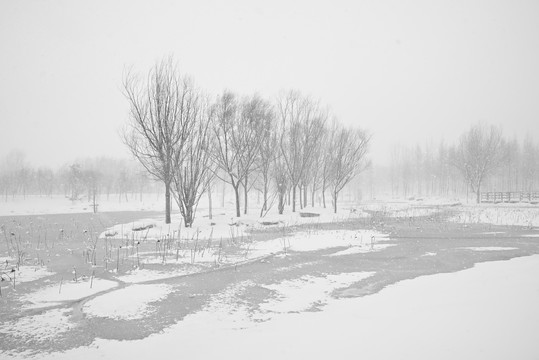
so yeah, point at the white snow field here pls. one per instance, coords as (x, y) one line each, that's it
(57, 204)
(487, 312)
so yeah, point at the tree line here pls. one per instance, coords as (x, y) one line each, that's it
(481, 159)
(288, 148)
(90, 178)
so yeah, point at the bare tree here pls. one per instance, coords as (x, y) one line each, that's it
(159, 120)
(304, 123)
(225, 155)
(236, 142)
(192, 162)
(479, 152)
(255, 113)
(348, 158)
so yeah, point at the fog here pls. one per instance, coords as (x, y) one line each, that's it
(409, 72)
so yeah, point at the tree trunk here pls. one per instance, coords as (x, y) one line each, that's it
(167, 202)
(335, 194)
(265, 199)
(237, 194)
(210, 215)
(245, 196)
(324, 197)
(294, 199)
(188, 215)
(304, 195)
(312, 196)
(223, 195)
(280, 208)
(265, 196)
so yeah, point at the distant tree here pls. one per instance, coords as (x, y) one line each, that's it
(158, 123)
(91, 179)
(478, 153)
(45, 181)
(530, 164)
(348, 159)
(75, 181)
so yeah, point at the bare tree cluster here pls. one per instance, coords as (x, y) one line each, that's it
(281, 148)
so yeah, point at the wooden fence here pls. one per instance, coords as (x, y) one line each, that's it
(510, 197)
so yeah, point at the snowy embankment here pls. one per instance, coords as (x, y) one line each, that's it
(499, 214)
(210, 252)
(226, 241)
(408, 208)
(224, 224)
(487, 312)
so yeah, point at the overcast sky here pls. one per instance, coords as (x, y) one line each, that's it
(408, 71)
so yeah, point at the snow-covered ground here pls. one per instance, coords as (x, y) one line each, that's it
(487, 312)
(57, 204)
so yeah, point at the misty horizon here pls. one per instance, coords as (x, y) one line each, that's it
(408, 73)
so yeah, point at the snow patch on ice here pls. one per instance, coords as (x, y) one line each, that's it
(25, 273)
(361, 249)
(318, 240)
(489, 248)
(41, 327)
(68, 291)
(308, 291)
(130, 303)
